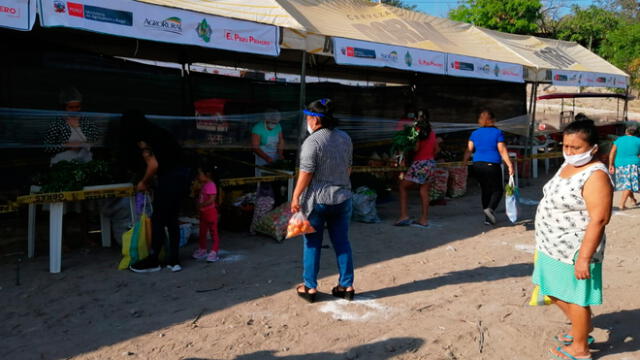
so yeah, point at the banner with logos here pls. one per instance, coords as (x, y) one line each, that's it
(364, 53)
(578, 78)
(17, 14)
(133, 19)
(465, 66)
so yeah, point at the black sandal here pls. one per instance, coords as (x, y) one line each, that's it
(343, 293)
(308, 296)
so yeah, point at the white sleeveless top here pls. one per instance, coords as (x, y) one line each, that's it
(562, 217)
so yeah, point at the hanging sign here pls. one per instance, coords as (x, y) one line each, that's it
(591, 79)
(466, 66)
(157, 23)
(364, 53)
(17, 14)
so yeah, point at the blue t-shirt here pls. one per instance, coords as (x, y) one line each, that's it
(485, 141)
(627, 150)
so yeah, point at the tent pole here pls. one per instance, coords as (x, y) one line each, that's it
(529, 147)
(303, 97)
(625, 109)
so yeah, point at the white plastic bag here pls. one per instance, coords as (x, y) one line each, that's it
(511, 200)
(299, 225)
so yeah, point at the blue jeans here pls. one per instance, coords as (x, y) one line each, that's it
(337, 218)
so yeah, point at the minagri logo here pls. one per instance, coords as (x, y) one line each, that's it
(408, 59)
(204, 30)
(172, 24)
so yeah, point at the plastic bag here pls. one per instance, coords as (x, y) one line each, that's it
(136, 242)
(275, 222)
(364, 205)
(537, 298)
(264, 204)
(511, 200)
(438, 188)
(457, 183)
(299, 225)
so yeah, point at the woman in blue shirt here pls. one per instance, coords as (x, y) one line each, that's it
(624, 163)
(489, 150)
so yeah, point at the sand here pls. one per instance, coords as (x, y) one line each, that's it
(456, 291)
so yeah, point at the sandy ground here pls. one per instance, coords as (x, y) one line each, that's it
(456, 291)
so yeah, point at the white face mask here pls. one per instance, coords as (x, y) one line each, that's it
(309, 129)
(579, 159)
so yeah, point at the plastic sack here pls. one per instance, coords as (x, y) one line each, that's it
(364, 205)
(264, 204)
(299, 225)
(185, 233)
(537, 298)
(275, 222)
(511, 200)
(438, 188)
(136, 242)
(457, 183)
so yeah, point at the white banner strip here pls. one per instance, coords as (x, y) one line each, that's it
(17, 14)
(364, 53)
(465, 66)
(579, 78)
(133, 19)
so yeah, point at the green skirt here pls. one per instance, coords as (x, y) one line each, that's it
(558, 279)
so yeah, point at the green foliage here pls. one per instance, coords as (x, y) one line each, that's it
(405, 140)
(400, 4)
(588, 26)
(512, 16)
(73, 176)
(622, 48)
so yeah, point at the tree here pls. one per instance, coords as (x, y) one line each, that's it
(587, 26)
(627, 9)
(512, 16)
(400, 4)
(622, 48)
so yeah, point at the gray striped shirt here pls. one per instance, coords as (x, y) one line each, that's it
(328, 155)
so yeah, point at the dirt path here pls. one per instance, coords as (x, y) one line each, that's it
(456, 291)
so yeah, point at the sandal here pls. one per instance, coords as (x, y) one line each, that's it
(343, 293)
(405, 222)
(304, 293)
(567, 339)
(566, 356)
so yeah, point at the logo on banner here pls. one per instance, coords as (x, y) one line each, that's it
(424, 62)
(391, 57)
(172, 24)
(408, 59)
(496, 70)
(231, 35)
(95, 13)
(462, 66)
(486, 69)
(204, 30)
(59, 6)
(358, 52)
(9, 11)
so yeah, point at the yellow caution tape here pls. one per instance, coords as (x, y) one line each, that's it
(9, 208)
(46, 198)
(253, 180)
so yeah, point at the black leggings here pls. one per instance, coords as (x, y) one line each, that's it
(166, 205)
(489, 175)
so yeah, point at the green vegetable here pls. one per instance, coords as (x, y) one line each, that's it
(74, 175)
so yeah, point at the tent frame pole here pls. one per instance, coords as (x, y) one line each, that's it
(625, 109)
(532, 112)
(301, 104)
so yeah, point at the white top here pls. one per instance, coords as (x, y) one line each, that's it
(562, 217)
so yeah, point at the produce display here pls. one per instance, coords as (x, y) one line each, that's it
(74, 175)
(275, 222)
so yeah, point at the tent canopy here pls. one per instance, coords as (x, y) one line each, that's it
(308, 23)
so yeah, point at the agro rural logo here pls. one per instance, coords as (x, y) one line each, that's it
(172, 24)
(358, 52)
(59, 6)
(204, 30)
(408, 59)
(390, 57)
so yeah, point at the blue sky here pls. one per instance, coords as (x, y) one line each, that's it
(441, 7)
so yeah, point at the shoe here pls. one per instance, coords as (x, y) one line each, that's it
(212, 256)
(175, 267)
(199, 254)
(486, 221)
(405, 222)
(567, 356)
(490, 215)
(343, 293)
(567, 339)
(304, 293)
(145, 265)
(420, 226)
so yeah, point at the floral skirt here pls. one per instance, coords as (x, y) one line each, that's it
(627, 178)
(421, 171)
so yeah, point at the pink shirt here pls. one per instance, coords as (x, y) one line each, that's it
(206, 192)
(426, 148)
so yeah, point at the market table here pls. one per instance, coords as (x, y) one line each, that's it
(56, 211)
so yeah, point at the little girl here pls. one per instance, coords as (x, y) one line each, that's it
(208, 215)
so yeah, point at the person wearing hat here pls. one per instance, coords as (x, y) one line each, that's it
(624, 163)
(70, 136)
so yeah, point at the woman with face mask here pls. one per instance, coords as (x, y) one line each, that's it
(323, 194)
(570, 239)
(267, 140)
